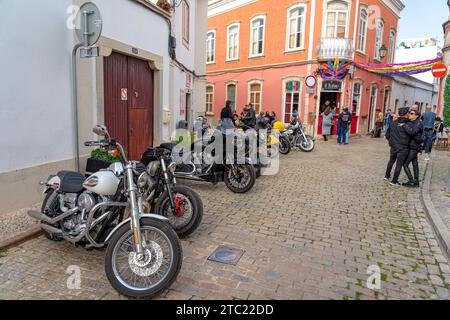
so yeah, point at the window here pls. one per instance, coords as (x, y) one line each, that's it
(356, 102)
(186, 22)
(337, 12)
(233, 42)
(255, 94)
(211, 47)
(291, 99)
(257, 32)
(209, 99)
(379, 39)
(231, 95)
(397, 101)
(362, 36)
(391, 52)
(295, 28)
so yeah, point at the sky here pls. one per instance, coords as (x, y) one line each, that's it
(423, 18)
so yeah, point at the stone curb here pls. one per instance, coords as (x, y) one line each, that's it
(443, 234)
(20, 238)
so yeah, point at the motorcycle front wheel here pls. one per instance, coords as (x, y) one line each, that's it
(188, 213)
(242, 179)
(157, 270)
(308, 145)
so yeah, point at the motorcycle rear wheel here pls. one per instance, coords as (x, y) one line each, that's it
(45, 204)
(195, 204)
(285, 146)
(132, 277)
(237, 187)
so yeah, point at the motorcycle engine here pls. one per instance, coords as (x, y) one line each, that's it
(85, 202)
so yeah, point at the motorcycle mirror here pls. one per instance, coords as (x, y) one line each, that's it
(100, 131)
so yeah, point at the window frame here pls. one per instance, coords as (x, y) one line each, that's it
(212, 94)
(380, 44)
(235, 84)
(285, 92)
(392, 45)
(251, 54)
(288, 24)
(250, 92)
(238, 26)
(186, 21)
(362, 46)
(213, 32)
(347, 19)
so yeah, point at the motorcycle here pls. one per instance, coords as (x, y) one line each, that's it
(143, 252)
(239, 178)
(295, 134)
(161, 194)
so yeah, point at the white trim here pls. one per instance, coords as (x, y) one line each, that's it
(302, 45)
(261, 84)
(374, 112)
(222, 6)
(283, 98)
(311, 30)
(227, 84)
(392, 50)
(363, 8)
(215, 45)
(211, 85)
(377, 50)
(263, 17)
(358, 107)
(325, 16)
(238, 25)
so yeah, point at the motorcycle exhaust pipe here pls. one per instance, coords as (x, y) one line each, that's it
(42, 217)
(52, 230)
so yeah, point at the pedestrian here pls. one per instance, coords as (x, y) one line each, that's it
(226, 117)
(399, 141)
(439, 128)
(388, 119)
(325, 106)
(379, 121)
(327, 122)
(429, 120)
(415, 129)
(272, 117)
(250, 117)
(344, 122)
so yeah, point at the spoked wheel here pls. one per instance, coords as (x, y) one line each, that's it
(240, 178)
(188, 212)
(284, 146)
(307, 145)
(147, 276)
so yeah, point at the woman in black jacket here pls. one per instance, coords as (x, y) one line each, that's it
(415, 129)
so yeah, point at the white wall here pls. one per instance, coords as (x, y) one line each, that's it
(412, 90)
(35, 112)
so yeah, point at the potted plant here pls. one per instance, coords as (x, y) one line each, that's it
(100, 159)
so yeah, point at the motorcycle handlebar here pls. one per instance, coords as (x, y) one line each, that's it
(96, 144)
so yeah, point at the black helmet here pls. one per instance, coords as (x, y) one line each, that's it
(264, 121)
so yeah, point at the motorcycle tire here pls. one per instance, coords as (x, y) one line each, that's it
(285, 146)
(252, 179)
(163, 204)
(311, 144)
(122, 235)
(48, 235)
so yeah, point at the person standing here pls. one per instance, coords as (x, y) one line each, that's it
(325, 106)
(379, 124)
(388, 119)
(399, 141)
(439, 128)
(344, 122)
(327, 122)
(415, 129)
(226, 117)
(429, 119)
(250, 117)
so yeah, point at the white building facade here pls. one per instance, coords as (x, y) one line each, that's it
(135, 86)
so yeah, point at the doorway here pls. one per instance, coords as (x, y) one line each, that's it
(129, 102)
(335, 103)
(372, 107)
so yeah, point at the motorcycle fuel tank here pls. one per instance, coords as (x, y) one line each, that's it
(104, 183)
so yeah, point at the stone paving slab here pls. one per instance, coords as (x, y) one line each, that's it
(311, 232)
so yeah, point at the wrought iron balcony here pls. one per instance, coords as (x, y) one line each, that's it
(332, 48)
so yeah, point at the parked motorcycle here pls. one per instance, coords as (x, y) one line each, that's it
(143, 252)
(295, 133)
(239, 178)
(161, 194)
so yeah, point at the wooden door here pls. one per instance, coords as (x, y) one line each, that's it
(129, 102)
(140, 121)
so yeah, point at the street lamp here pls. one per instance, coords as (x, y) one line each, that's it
(383, 51)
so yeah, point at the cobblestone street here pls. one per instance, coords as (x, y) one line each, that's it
(311, 232)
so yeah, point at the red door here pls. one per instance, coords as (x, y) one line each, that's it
(129, 102)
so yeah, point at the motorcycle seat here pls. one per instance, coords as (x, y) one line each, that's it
(168, 146)
(71, 182)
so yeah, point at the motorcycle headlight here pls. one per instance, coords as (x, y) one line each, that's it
(142, 180)
(153, 167)
(172, 167)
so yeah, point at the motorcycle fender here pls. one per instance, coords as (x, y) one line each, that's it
(53, 183)
(128, 221)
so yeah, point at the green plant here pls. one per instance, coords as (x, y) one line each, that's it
(447, 103)
(101, 154)
(3, 254)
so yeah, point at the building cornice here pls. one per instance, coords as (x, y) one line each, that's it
(395, 5)
(216, 7)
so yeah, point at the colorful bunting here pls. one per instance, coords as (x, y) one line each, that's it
(399, 69)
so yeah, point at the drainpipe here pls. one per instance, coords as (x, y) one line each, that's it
(75, 104)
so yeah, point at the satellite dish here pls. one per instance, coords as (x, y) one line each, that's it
(90, 25)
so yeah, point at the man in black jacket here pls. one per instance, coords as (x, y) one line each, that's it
(250, 117)
(415, 129)
(227, 113)
(399, 141)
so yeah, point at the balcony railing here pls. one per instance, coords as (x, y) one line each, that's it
(332, 48)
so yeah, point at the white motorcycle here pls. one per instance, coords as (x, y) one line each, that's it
(143, 253)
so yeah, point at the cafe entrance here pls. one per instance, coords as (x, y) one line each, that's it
(331, 91)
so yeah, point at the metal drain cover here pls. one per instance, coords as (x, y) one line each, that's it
(226, 255)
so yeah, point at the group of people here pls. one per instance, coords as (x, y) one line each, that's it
(343, 123)
(246, 118)
(410, 134)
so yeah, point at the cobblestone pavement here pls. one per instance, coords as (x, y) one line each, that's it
(311, 232)
(13, 222)
(438, 188)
